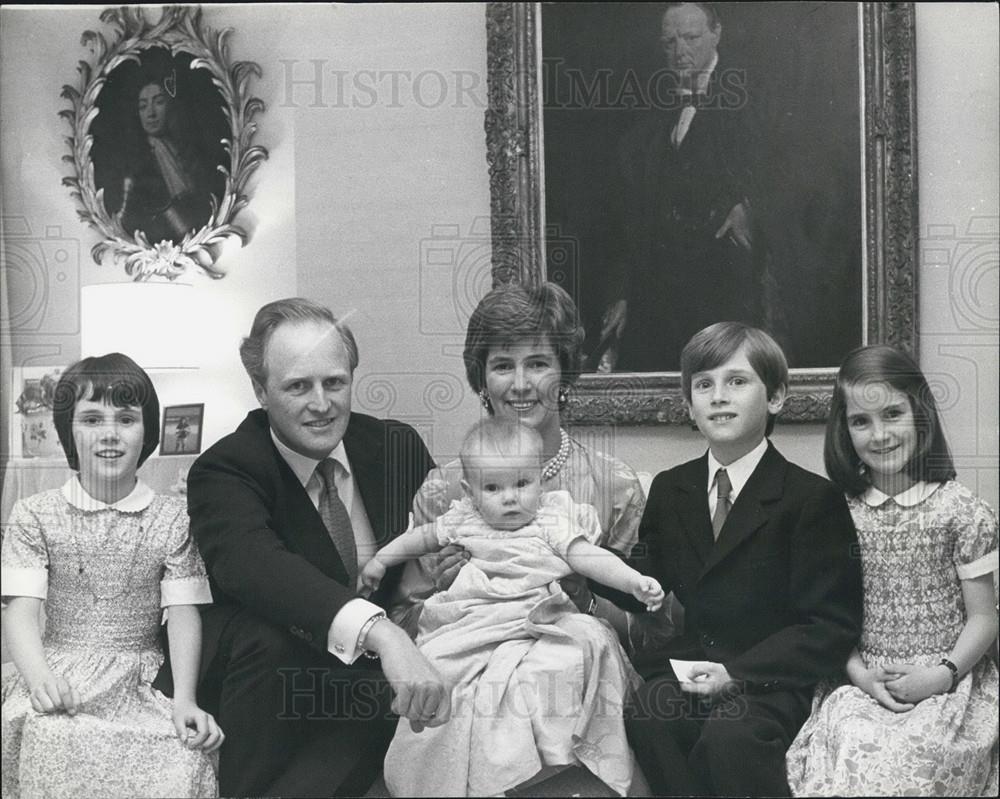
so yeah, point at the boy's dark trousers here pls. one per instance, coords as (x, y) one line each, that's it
(776, 600)
(693, 746)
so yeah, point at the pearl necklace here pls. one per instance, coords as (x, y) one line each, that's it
(557, 461)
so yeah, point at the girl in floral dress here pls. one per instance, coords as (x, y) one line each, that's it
(106, 556)
(919, 716)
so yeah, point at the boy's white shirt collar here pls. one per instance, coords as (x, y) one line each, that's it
(303, 466)
(739, 470)
(138, 499)
(914, 495)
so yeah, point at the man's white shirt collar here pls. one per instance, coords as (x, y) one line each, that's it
(914, 495)
(138, 499)
(739, 471)
(304, 466)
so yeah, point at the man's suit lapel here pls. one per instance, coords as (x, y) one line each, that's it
(752, 507)
(367, 456)
(692, 507)
(305, 531)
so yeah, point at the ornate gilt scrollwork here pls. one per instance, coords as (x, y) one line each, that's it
(177, 31)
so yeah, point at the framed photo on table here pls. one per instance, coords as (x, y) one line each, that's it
(32, 430)
(181, 432)
(787, 199)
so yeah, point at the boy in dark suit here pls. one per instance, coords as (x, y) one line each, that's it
(761, 554)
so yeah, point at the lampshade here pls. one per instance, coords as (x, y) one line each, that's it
(152, 323)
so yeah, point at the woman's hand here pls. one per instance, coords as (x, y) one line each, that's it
(196, 728)
(912, 684)
(576, 588)
(445, 566)
(52, 694)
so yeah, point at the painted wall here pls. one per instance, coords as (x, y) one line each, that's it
(376, 190)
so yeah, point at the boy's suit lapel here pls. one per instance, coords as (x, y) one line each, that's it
(752, 507)
(692, 507)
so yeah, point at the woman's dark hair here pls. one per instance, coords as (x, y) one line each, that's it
(113, 378)
(880, 363)
(513, 314)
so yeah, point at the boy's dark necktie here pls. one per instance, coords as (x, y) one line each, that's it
(723, 488)
(337, 519)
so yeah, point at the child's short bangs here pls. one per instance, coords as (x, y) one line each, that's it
(121, 391)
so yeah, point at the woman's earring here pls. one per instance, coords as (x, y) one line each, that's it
(563, 396)
(484, 398)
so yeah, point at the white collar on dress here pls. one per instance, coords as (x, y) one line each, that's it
(914, 495)
(137, 500)
(303, 466)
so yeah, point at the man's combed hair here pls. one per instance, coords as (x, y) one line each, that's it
(279, 312)
(115, 379)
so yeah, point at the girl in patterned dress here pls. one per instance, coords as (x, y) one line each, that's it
(106, 556)
(919, 715)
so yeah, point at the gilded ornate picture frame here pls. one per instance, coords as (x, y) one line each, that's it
(162, 124)
(532, 239)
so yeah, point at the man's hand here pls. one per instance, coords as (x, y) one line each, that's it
(708, 679)
(420, 694)
(445, 565)
(909, 684)
(737, 227)
(614, 319)
(52, 694)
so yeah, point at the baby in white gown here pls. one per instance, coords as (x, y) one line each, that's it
(537, 684)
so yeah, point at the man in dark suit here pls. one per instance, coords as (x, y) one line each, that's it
(285, 511)
(762, 555)
(686, 256)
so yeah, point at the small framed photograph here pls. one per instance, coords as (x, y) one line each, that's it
(181, 433)
(33, 433)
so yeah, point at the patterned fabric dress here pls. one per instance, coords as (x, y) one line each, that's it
(537, 684)
(105, 573)
(915, 549)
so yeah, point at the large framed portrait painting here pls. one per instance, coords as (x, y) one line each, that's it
(672, 165)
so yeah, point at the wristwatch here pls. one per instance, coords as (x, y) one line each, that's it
(954, 673)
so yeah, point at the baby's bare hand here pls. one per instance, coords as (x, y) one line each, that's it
(648, 591)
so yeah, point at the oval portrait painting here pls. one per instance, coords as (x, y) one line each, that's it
(158, 145)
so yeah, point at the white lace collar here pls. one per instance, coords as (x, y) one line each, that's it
(914, 495)
(137, 500)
